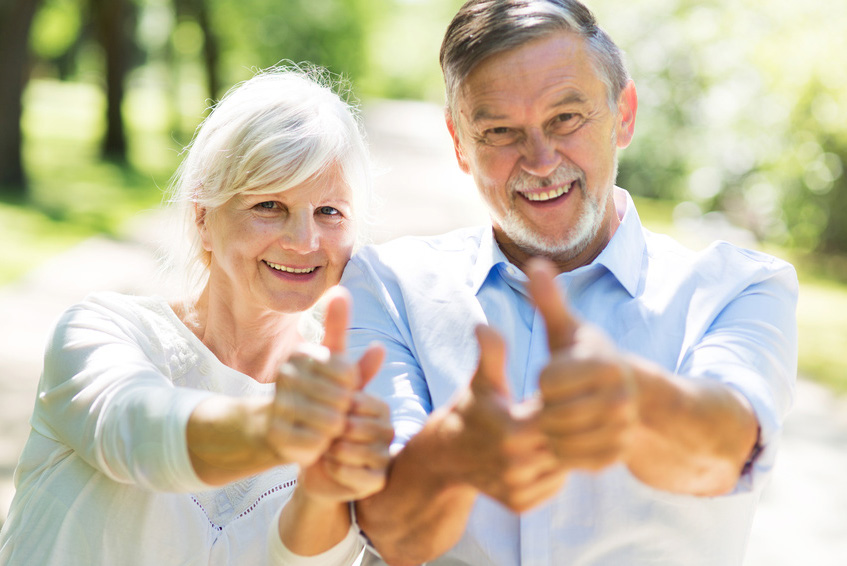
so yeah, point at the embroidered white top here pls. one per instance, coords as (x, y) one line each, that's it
(105, 476)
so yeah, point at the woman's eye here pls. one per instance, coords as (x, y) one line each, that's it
(268, 204)
(328, 211)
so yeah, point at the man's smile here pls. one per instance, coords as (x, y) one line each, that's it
(548, 194)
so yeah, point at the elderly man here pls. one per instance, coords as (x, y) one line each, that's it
(617, 402)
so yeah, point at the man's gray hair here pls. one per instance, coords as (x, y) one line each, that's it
(483, 28)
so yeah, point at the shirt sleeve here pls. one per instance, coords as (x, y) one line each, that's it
(102, 396)
(379, 316)
(751, 346)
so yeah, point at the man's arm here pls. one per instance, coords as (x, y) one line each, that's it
(678, 434)
(691, 436)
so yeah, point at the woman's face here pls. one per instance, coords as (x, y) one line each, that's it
(280, 251)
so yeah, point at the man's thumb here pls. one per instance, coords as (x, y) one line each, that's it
(491, 371)
(561, 325)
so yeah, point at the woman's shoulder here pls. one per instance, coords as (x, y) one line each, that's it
(109, 308)
(103, 317)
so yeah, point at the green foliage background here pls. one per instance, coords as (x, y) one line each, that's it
(742, 104)
(742, 111)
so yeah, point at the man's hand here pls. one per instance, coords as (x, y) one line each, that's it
(498, 448)
(587, 389)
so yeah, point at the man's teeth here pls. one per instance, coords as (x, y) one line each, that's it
(286, 269)
(549, 195)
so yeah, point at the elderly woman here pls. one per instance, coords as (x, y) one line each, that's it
(207, 431)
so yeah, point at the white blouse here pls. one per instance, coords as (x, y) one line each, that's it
(105, 476)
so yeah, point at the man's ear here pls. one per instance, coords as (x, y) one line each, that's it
(457, 145)
(200, 218)
(627, 108)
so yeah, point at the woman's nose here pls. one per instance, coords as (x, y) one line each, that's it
(540, 155)
(299, 234)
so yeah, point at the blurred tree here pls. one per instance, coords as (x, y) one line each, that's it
(15, 20)
(113, 21)
(261, 33)
(199, 11)
(742, 109)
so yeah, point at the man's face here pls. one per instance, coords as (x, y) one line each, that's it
(534, 128)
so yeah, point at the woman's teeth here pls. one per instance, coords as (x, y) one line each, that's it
(287, 269)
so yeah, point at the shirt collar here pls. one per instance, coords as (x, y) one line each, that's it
(618, 257)
(623, 255)
(489, 256)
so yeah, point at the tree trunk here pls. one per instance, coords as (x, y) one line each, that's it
(112, 22)
(198, 10)
(15, 20)
(210, 49)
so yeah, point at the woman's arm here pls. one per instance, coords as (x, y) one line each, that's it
(318, 516)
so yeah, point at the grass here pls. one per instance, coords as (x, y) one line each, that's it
(74, 195)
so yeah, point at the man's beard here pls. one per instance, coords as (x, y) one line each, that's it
(556, 246)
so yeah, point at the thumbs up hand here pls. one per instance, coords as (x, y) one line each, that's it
(316, 390)
(496, 445)
(587, 389)
(325, 422)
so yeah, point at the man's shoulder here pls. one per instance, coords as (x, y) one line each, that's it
(716, 260)
(416, 254)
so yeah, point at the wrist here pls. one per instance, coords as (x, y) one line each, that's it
(225, 439)
(309, 525)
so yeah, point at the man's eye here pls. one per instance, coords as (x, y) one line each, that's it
(567, 122)
(500, 135)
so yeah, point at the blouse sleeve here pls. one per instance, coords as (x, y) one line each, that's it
(346, 552)
(101, 395)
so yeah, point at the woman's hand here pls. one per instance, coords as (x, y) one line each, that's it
(314, 391)
(355, 465)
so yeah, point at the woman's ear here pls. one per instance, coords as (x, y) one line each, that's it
(200, 220)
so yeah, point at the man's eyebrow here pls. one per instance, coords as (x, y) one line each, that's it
(484, 113)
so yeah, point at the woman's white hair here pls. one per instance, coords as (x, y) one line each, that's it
(284, 126)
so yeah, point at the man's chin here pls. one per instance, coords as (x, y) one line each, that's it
(554, 247)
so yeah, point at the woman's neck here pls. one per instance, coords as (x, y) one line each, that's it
(251, 340)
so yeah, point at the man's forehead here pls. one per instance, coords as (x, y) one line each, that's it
(551, 71)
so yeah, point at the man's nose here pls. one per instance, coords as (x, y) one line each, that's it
(540, 155)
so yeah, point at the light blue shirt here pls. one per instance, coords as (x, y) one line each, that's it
(725, 314)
